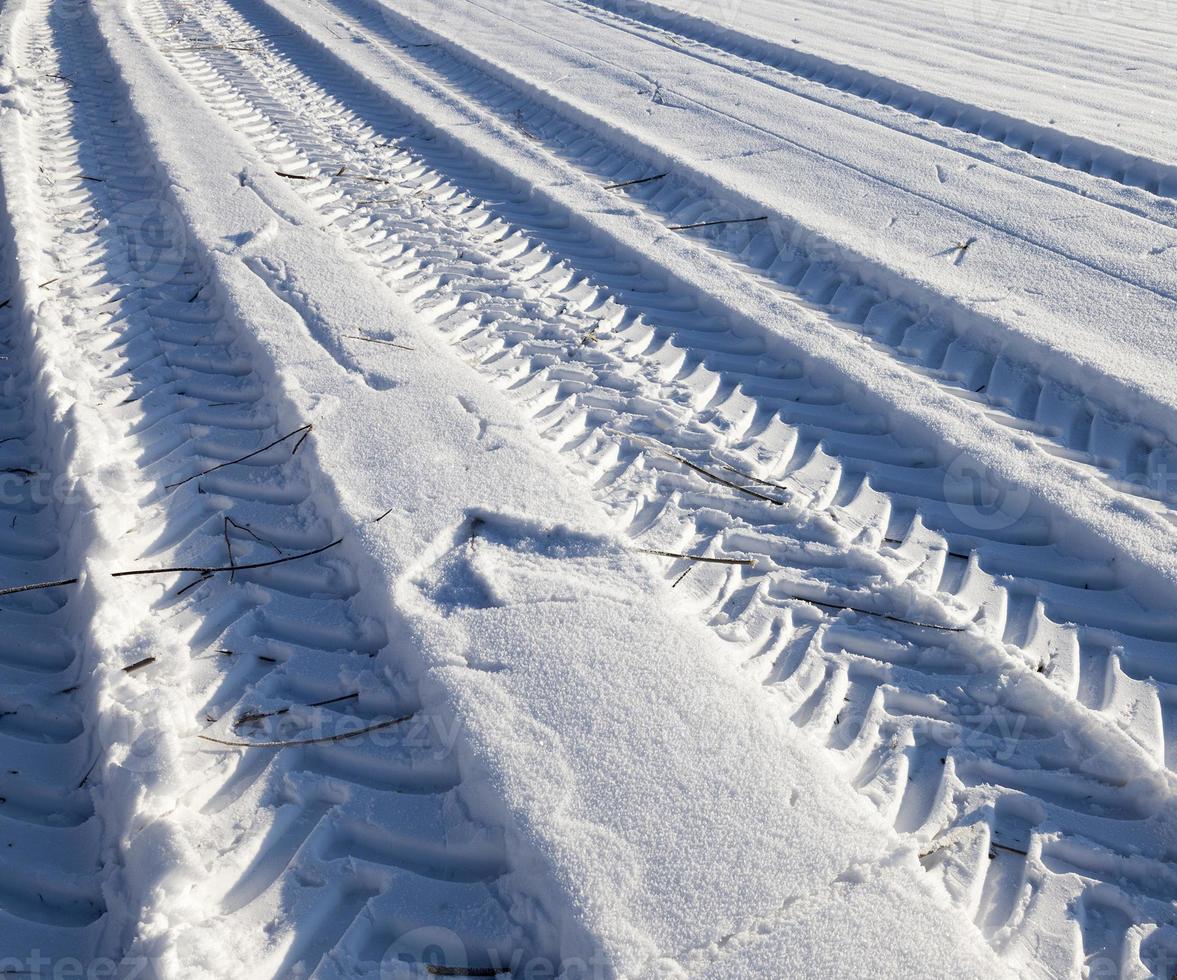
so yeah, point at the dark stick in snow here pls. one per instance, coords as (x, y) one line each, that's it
(39, 585)
(304, 741)
(634, 183)
(720, 480)
(700, 558)
(229, 548)
(827, 604)
(756, 479)
(376, 340)
(259, 715)
(723, 221)
(304, 429)
(207, 571)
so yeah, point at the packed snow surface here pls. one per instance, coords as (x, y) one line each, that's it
(588, 488)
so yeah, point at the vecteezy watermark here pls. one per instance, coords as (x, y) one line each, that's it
(993, 734)
(981, 498)
(426, 735)
(21, 486)
(156, 237)
(445, 953)
(38, 966)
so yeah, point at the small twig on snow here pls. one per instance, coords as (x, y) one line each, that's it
(207, 571)
(519, 125)
(825, 603)
(304, 429)
(724, 221)
(304, 741)
(634, 183)
(253, 534)
(39, 585)
(82, 782)
(699, 558)
(720, 480)
(756, 479)
(229, 548)
(259, 715)
(258, 37)
(960, 249)
(376, 340)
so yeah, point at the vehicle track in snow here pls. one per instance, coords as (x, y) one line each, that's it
(51, 900)
(1068, 423)
(902, 107)
(359, 843)
(1020, 751)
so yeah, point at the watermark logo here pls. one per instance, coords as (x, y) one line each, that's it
(156, 237)
(37, 966)
(981, 498)
(443, 952)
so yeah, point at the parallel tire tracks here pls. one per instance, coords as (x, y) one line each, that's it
(1002, 700)
(351, 851)
(847, 85)
(1135, 459)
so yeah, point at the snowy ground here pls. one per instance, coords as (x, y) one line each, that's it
(614, 488)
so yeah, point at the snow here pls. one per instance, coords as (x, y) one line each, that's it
(1094, 70)
(1086, 508)
(505, 654)
(912, 718)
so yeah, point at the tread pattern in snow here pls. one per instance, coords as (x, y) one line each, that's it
(50, 873)
(364, 844)
(999, 737)
(848, 87)
(1131, 457)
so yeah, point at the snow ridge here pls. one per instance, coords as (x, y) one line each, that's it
(703, 442)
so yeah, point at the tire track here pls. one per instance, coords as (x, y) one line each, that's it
(51, 874)
(1131, 457)
(347, 852)
(950, 684)
(53, 909)
(904, 107)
